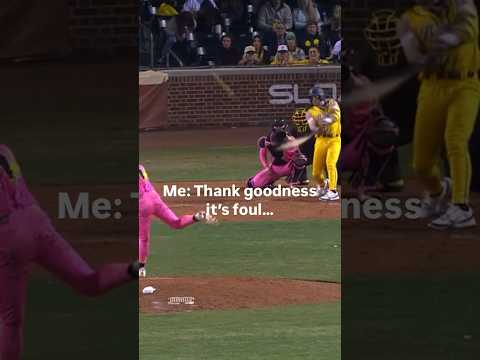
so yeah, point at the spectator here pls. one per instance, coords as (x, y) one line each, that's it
(313, 58)
(182, 48)
(166, 36)
(249, 57)
(228, 55)
(296, 53)
(194, 6)
(274, 10)
(306, 11)
(282, 57)
(336, 52)
(278, 37)
(233, 10)
(206, 13)
(311, 37)
(329, 37)
(261, 51)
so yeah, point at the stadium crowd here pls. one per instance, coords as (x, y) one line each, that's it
(236, 32)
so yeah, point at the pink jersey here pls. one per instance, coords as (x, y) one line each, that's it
(150, 205)
(26, 237)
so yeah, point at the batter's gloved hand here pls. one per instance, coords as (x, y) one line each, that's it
(205, 218)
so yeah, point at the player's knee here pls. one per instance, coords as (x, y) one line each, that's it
(456, 148)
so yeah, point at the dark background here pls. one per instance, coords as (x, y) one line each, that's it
(416, 294)
(70, 113)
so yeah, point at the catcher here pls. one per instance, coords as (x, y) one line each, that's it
(276, 163)
(441, 36)
(298, 129)
(324, 120)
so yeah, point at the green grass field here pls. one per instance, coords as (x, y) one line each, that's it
(294, 249)
(411, 317)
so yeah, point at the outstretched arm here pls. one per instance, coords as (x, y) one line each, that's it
(164, 213)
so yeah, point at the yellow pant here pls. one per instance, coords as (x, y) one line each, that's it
(446, 114)
(325, 156)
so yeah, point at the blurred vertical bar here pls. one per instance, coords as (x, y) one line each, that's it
(409, 292)
(69, 111)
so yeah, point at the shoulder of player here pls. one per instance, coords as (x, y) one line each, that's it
(333, 104)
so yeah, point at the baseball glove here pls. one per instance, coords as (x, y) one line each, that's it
(205, 218)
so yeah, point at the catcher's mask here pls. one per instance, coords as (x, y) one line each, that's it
(299, 116)
(280, 124)
(381, 34)
(318, 93)
(278, 137)
(299, 119)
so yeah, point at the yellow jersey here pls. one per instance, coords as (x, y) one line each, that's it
(463, 60)
(331, 110)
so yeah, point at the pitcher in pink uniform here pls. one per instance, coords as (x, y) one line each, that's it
(26, 237)
(150, 205)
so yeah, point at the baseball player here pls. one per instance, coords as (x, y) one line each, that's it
(441, 36)
(300, 128)
(283, 163)
(324, 120)
(27, 236)
(150, 204)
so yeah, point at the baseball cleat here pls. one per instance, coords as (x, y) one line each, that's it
(142, 272)
(330, 195)
(454, 218)
(322, 190)
(435, 206)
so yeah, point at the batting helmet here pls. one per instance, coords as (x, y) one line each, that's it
(317, 92)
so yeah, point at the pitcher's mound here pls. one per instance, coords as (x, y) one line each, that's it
(214, 293)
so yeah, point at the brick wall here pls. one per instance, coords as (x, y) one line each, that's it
(103, 25)
(196, 99)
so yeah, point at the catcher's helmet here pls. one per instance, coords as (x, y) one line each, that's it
(381, 34)
(279, 124)
(278, 136)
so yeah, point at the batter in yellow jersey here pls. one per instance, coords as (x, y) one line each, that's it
(324, 119)
(442, 36)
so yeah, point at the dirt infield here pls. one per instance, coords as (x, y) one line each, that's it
(222, 293)
(408, 247)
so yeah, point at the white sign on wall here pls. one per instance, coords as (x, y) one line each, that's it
(283, 94)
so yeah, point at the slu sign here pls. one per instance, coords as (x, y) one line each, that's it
(283, 94)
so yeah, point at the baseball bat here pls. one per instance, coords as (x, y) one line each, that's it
(296, 142)
(378, 89)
